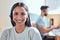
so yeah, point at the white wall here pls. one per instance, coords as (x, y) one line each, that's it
(5, 6)
(34, 6)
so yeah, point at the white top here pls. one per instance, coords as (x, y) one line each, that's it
(29, 33)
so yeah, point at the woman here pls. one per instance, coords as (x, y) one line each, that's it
(21, 29)
(51, 22)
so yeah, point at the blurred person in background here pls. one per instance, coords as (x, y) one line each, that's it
(43, 23)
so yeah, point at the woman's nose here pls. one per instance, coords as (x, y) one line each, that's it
(19, 16)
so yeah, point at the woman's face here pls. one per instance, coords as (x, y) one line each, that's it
(20, 15)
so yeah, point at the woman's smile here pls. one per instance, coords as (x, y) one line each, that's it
(20, 20)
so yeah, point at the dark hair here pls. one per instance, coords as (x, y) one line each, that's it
(27, 23)
(52, 21)
(44, 7)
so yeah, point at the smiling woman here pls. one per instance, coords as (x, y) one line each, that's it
(21, 29)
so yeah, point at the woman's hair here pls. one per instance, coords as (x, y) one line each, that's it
(52, 21)
(27, 23)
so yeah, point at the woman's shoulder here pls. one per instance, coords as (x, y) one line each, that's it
(7, 31)
(34, 33)
(33, 29)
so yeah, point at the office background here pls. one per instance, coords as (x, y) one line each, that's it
(34, 8)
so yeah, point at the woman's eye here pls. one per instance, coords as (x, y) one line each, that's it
(22, 13)
(16, 13)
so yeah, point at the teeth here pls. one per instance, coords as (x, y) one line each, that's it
(19, 21)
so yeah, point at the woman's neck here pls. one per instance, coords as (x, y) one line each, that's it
(19, 28)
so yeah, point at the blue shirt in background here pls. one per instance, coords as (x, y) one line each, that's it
(43, 21)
